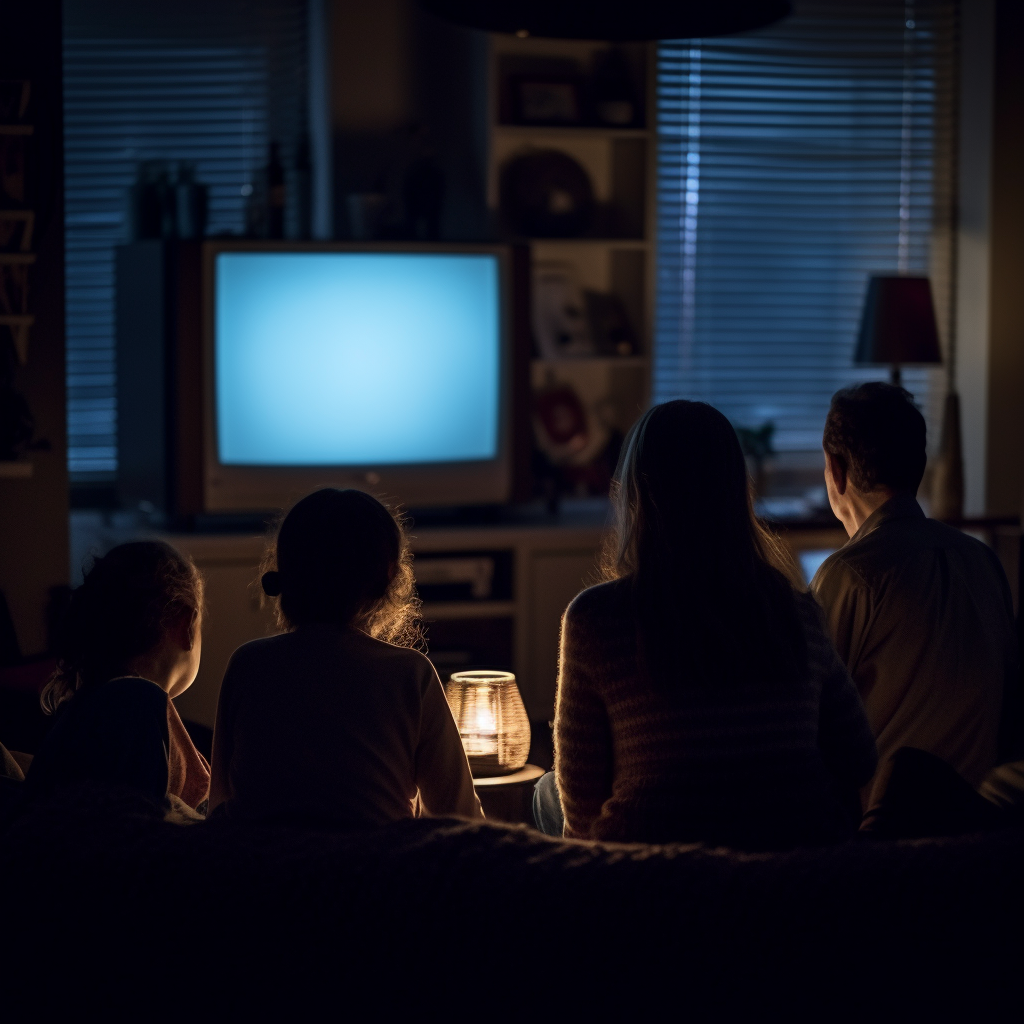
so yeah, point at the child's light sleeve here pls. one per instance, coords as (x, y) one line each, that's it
(442, 769)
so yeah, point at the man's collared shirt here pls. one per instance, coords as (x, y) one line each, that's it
(922, 615)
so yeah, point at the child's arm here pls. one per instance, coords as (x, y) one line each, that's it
(220, 758)
(442, 769)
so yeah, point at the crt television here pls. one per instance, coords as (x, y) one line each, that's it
(290, 366)
(381, 367)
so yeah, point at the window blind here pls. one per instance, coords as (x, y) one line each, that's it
(210, 83)
(793, 163)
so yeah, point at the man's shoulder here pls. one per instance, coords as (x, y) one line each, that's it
(896, 544)
(842, 569)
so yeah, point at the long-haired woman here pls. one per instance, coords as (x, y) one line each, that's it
(698, 696)
(338, 718)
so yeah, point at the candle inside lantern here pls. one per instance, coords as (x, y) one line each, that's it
(492, 721)
(479, 725)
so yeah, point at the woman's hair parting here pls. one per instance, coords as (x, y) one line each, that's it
(342, 557)
(125, 603)
(711, 586)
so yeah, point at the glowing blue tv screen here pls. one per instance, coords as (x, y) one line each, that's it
(356, 359)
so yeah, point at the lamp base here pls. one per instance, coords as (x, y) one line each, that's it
(510, 798)
(489, 767)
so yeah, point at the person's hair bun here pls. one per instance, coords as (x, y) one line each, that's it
(271, 583)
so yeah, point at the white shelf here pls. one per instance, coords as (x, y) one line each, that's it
(15, 470)
(468, 609)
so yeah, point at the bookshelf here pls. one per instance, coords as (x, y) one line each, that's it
(615, 255)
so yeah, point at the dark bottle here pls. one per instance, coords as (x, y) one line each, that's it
(424, 198)
(275, 193)
(302, 182)
(614, 98)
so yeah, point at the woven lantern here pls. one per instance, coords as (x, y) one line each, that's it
(491, 719)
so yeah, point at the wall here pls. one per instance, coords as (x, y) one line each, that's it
(34, 511)
(403, 85)
(1005, 456)
(972, 322)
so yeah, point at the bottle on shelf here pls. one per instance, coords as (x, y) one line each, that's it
(191, 202)
(614, 97)
(302, 179)
(275, 193)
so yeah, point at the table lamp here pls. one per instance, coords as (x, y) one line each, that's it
(898, 324)
(492, 721)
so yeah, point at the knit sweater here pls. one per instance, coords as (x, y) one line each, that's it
(752, 765)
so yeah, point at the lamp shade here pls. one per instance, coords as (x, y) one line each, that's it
(898, 323)
(613, 20)
(492, 721)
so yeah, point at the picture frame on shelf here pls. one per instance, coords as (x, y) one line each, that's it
(560, 326)
(549, 101)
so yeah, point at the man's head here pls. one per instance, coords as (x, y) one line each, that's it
(876, 435)
(874, 448)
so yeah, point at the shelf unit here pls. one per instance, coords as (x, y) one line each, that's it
(620, 162)
(18, 324)
(17, 321)
(437, 610)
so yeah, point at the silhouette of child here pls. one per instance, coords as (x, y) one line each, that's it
(130, 643)
(338, 718)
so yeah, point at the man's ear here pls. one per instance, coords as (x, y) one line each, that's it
(837, 470)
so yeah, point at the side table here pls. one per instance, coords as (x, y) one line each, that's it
(509, 798)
